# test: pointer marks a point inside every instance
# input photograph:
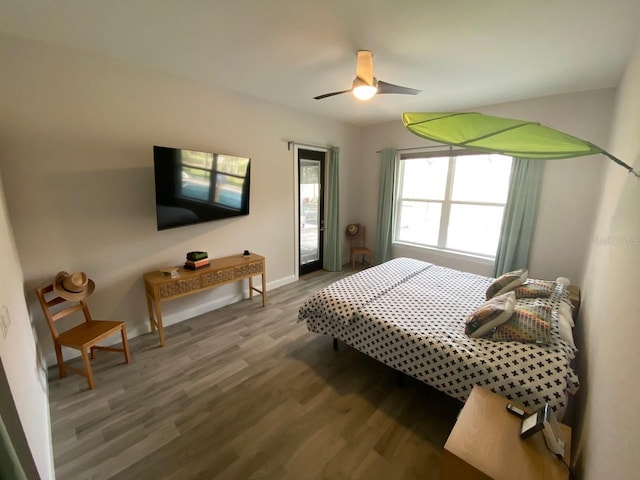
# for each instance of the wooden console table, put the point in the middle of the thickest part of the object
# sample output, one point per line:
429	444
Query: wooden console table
160	287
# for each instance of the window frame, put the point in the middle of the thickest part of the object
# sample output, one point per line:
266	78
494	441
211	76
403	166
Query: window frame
446	203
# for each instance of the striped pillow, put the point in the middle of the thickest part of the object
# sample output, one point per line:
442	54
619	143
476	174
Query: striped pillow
535	289
530	323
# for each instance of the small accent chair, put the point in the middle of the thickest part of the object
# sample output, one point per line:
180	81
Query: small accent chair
81	337
356	234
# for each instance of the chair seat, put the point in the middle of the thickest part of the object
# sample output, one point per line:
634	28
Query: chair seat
88	333
366	252
356	233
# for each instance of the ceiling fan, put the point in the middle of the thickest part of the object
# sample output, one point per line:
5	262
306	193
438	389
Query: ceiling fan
365	85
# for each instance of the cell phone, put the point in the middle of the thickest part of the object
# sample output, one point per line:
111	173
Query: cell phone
518	412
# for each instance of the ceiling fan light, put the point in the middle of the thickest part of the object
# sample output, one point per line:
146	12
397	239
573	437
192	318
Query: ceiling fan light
364	92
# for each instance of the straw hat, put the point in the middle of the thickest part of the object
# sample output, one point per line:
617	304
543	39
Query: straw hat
352	229
75	286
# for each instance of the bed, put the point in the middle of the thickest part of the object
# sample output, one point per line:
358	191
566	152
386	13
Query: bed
410	315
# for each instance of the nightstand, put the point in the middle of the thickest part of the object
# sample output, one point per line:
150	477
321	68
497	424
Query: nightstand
485	444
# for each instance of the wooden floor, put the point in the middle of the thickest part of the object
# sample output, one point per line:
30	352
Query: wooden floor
246	392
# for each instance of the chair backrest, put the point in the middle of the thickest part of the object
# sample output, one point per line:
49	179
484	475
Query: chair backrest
51	314
357	239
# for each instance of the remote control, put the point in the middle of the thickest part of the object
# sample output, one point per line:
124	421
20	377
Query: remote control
518	412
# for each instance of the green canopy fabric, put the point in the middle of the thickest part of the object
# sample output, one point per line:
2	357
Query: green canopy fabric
518	138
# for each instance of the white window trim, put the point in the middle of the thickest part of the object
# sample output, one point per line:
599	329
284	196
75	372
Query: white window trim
445	212
446	253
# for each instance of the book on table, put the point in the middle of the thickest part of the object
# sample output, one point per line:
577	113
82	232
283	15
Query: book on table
197	264
189	266
170	272
195	256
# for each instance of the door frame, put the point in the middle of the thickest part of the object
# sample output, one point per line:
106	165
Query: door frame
296	200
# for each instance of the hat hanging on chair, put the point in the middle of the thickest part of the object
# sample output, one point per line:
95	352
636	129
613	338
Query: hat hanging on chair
73	286
353	229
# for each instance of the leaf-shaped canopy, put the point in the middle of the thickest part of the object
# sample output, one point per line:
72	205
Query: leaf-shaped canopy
518	138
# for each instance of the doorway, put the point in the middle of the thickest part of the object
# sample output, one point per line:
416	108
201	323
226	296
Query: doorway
311	208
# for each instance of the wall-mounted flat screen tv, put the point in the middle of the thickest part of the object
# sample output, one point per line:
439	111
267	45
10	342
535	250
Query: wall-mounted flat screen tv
194	187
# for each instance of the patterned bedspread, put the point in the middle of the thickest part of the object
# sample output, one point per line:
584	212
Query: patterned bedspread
410	315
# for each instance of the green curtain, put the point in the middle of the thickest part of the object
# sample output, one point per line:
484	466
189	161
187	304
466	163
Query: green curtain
519	216
385	205
333	246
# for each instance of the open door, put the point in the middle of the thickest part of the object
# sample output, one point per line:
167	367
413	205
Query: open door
311	206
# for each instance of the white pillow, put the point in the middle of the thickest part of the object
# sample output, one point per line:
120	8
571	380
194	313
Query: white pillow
566	310
506	282
490	314
564	326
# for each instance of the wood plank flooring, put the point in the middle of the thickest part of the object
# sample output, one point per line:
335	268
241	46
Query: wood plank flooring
246	392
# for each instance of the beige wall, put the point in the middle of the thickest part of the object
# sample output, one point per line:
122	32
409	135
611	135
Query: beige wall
77	161
24	403
569	189
609	427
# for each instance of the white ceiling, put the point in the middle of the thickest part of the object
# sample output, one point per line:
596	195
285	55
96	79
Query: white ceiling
460	53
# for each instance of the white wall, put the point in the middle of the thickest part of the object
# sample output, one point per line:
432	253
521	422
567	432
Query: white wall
569	190
24	402
77	135
609	430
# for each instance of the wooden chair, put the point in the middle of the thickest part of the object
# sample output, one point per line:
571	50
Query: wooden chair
82	337
357	236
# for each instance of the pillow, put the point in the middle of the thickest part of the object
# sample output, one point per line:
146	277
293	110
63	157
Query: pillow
490	314
566	310
506	282
565	330
535	289
530	323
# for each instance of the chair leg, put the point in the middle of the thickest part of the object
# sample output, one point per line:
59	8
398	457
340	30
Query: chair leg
87	368
61	370
125	344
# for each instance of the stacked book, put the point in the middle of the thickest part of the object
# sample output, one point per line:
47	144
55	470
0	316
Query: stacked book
170	272
197	260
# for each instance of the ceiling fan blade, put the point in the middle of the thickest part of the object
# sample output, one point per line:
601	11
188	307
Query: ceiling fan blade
364	77
364	67
320	97
384	87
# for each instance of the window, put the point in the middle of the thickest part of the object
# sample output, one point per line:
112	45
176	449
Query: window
453	202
